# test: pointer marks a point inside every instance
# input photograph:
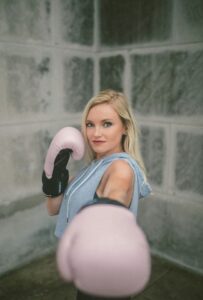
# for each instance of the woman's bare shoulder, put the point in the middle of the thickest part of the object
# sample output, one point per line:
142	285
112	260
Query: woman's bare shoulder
117	182
120	168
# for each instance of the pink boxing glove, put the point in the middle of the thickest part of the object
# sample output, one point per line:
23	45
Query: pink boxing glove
104	252
67	138
68	141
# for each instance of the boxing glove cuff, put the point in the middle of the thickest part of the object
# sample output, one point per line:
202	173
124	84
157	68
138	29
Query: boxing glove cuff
54	187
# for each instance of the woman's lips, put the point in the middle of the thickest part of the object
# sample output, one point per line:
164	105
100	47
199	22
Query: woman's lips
98	142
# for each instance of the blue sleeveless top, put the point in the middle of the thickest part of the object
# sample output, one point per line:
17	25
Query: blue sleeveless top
82	189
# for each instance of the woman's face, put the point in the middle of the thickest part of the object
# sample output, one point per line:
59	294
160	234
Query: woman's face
104	130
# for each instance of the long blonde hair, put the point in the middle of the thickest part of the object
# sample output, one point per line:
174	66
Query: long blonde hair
119	102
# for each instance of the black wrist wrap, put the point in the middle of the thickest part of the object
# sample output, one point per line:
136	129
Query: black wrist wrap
56	185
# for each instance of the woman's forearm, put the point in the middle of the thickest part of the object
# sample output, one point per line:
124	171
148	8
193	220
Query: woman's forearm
53	204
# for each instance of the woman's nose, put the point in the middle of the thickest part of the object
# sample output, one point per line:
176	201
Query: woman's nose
97	131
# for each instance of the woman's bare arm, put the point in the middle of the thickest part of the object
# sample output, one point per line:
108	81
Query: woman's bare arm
117	183
53	204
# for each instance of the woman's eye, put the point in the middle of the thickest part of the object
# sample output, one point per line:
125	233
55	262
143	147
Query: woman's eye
107	124
89	124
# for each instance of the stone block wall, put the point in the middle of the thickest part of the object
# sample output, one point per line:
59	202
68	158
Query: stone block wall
54	55
46	77
153	51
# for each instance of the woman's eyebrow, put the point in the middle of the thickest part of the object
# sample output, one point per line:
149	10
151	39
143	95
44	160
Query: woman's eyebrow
103	120
107	120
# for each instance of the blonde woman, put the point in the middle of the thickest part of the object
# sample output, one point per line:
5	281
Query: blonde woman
115	169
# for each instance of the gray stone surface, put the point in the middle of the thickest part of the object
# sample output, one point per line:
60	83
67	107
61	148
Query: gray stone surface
127	22
141	82
28	83
187	88
78	82
77	21
153	147
24	236
112	72
174	228
168	83
23	163
188	20
189	162
183	232
25	20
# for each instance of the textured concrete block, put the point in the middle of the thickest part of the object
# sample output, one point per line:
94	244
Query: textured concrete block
24	151
25	20
28	84
174	229
112	72
189	20
186	85
184	232
154	209
154	153
25	236
77	21
127	22
168	83
78	83
3	85
141	82
189	162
